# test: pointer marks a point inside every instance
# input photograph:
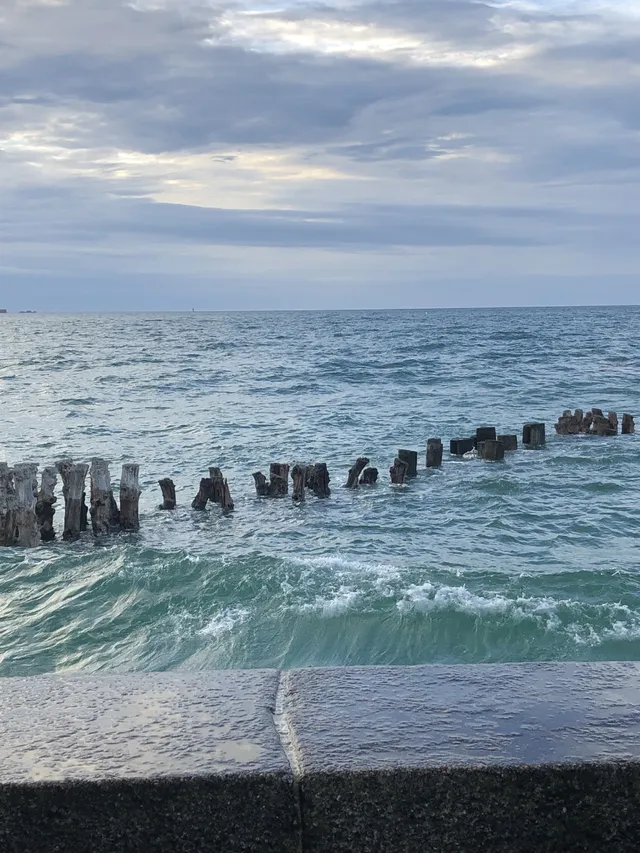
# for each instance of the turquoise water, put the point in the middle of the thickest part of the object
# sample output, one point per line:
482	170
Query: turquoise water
533	559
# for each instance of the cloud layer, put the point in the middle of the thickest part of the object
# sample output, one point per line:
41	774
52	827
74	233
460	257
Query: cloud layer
398	152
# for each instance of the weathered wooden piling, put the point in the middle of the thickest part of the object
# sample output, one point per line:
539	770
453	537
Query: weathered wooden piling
355	471
45	505
205	494
8	531
510	442
533	435
220	489
261	484
485	434
410	457
299	478
130	497
73	479
369	477
25	477
628	426
278	484
434	452
105	516
460	446
168	488
491	450
317	479
398	472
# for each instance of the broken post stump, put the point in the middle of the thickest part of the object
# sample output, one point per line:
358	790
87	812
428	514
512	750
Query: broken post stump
628	426
460	446
45	509
299	478
168	488
398	472
434	453
205	493
8	531
410	457
355	471
130	497
533	435
25	478
510	442
278	479
105	516
73	479
369	477
491	450
485	434
317	479
261	484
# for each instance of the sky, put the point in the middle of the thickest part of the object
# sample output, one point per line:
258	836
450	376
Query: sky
179	154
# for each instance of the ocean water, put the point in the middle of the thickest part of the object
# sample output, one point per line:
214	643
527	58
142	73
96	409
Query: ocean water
536	558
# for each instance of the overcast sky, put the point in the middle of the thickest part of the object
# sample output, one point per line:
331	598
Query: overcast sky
178	154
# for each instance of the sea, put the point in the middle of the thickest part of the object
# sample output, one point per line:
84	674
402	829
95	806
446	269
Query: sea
533	558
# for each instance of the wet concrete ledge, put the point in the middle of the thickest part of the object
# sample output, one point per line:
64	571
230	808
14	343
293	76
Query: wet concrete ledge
521	757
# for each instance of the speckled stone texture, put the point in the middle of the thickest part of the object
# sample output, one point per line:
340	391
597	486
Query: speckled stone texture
153	762
540	757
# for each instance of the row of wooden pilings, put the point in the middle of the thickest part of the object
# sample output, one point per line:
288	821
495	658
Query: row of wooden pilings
27	508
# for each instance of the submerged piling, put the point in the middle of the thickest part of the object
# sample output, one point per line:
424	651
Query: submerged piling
434	452
398	472
369	477
45	506
168	488
73	477
460	446
628	426
299	478
491	450
105	516
410	458
25	477
317	479
533	435
353	478
8	506
130	497
510	442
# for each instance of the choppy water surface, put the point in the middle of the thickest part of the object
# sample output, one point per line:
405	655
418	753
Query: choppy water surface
536	558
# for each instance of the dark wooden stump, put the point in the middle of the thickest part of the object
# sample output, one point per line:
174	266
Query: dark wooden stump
25	478
398	472
299	478
205	494
533	435
612	417
105	516
485	434
8	530
369	477
261	484
355	471
434	452
73	478
510	442
278	479
410	458
491	450
130	497
45	509
460	446
318	482
168	488
226	503
628	426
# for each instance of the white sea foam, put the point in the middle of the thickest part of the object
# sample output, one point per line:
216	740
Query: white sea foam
225	621
344	599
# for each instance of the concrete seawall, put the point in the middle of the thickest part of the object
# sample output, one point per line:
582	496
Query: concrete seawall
522	757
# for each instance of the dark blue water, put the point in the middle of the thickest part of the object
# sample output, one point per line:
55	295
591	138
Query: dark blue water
535	558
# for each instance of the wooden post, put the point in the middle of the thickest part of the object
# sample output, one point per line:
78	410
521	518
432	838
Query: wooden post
434	453
130	497
491	450
355	471
510	442
278	479
45	509
317	479
299	478
261	483
533	435
410	457
460	446
398	472
369	477
25	477
73	479
485	434
628	426
8	531
168	488
226	502
205	494
612	417
105	516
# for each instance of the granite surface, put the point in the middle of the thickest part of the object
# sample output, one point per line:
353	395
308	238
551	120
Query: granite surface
525	757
